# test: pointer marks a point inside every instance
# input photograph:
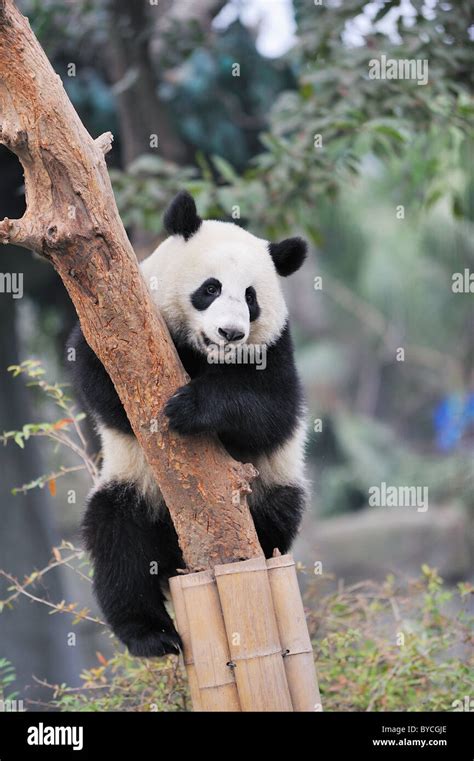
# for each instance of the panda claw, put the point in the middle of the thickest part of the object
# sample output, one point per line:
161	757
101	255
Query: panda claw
154	644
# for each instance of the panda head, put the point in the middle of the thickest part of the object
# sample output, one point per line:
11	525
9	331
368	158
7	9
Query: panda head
215	283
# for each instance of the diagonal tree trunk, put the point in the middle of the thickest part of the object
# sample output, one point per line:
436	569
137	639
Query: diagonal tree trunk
72	220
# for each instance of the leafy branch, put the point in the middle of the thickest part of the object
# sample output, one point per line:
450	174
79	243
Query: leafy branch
65	431
19	588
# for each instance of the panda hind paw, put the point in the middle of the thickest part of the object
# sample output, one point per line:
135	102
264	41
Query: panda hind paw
154	644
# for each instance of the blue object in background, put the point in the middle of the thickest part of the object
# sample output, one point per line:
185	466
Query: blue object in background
452	417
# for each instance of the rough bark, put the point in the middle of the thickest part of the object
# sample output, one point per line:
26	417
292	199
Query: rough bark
72	219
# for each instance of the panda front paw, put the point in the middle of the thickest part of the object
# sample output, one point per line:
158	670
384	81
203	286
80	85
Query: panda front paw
182	411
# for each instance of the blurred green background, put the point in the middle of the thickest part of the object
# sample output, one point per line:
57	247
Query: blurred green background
266	112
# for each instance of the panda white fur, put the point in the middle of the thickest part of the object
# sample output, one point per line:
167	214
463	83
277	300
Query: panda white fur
218	288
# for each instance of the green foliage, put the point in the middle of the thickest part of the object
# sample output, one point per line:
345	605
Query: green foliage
378	647
148	184
33	369
217	111
7	677
357	116
394	647
63	28
123	683
420	132
63	432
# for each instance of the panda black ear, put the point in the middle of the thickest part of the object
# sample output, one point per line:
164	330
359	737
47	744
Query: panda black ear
181	217
289	255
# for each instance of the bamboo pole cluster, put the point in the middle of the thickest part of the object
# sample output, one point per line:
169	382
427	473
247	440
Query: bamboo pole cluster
245	638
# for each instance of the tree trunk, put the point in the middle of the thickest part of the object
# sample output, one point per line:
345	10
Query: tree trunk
72	219
128	61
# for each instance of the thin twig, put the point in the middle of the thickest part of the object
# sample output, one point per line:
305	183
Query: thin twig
21	590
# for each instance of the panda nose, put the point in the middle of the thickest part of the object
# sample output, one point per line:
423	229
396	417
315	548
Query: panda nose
231	334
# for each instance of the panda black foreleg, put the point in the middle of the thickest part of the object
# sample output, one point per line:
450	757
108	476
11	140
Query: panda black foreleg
277	516
93	384
132	555
255	419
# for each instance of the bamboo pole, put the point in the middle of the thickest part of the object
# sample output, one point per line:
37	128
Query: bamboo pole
252	634
205	643
182	625
294	635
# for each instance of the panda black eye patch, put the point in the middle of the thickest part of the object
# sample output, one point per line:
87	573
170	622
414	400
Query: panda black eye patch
252	303
207	292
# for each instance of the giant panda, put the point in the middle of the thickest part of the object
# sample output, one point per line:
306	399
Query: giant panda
216	285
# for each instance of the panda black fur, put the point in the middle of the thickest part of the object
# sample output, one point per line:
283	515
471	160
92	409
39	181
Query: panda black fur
215	284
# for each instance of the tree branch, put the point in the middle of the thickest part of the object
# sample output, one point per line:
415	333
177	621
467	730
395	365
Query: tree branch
104	142
72	219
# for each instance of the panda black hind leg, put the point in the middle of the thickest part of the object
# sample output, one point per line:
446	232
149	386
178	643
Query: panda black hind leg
133	554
